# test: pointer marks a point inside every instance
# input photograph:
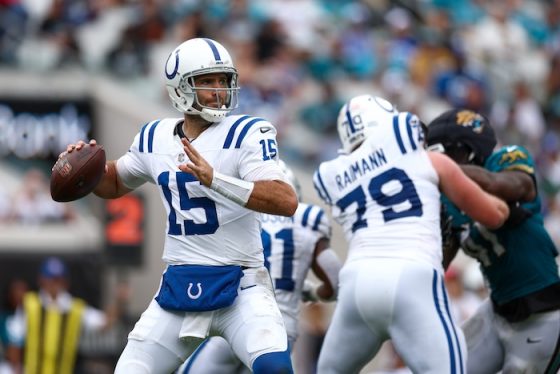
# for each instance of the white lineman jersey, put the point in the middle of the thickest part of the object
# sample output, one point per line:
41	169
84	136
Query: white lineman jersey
385	195
204	227
389	186
289	244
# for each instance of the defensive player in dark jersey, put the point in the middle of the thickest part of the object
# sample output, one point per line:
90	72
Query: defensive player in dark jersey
517	330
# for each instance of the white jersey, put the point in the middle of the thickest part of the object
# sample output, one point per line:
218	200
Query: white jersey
289	244
385	194
204	227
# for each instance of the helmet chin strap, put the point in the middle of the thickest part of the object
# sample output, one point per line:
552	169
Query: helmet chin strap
207	114
212	115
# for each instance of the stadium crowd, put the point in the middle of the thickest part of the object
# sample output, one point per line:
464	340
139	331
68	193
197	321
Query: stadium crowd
299	60
30	203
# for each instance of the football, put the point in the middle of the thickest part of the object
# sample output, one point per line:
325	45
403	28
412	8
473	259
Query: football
76	174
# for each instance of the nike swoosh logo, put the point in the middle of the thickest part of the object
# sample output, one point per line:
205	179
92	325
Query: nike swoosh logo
265	129
244	288
531	340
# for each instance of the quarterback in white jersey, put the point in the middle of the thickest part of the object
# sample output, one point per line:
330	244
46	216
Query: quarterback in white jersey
384	192
292	246
214	174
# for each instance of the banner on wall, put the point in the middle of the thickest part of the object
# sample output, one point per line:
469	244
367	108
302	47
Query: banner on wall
124	229
33	132
41	128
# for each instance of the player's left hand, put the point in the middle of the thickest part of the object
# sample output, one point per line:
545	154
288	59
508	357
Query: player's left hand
517	215
197	166
309	291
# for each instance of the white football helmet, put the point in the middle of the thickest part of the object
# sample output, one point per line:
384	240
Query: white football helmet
196	57
291	178
359	116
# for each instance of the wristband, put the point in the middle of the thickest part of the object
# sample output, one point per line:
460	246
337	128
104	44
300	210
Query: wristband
235	189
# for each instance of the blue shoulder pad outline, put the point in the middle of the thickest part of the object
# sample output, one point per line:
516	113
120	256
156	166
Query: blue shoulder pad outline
151	128
312	216
248	123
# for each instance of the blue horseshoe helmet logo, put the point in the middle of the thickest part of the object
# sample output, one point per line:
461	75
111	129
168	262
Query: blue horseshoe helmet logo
176	69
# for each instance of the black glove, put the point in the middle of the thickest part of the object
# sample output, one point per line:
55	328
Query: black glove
446	226
517	215
450	236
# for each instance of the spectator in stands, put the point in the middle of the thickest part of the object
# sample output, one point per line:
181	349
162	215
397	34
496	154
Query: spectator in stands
5	205
32	203
52	321
464	85
13	18
12	311
501	45
320	114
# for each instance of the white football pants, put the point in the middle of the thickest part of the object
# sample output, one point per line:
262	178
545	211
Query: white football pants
398	299
162	340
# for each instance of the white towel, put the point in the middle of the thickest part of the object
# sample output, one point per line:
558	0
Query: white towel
196	324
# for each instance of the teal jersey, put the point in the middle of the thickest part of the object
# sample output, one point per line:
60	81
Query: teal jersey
520	260
459	220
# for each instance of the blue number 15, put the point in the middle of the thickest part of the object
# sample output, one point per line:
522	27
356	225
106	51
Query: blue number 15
186	203
268	149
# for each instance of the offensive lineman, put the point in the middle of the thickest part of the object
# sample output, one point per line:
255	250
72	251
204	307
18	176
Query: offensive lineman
385	192
214	174
292	245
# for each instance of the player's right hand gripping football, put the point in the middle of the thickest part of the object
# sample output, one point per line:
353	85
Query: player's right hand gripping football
78	146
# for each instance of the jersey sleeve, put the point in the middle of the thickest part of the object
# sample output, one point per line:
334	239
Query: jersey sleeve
512	158
320	186
259	154
407	131
132	166
320	222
